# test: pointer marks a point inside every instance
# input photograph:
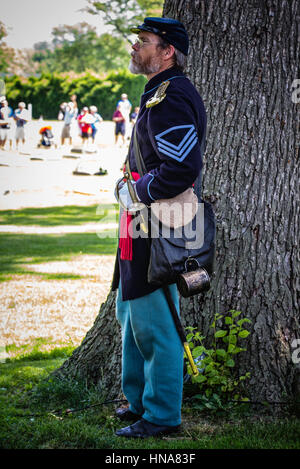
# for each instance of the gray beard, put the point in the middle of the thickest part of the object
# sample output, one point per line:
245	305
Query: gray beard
144	69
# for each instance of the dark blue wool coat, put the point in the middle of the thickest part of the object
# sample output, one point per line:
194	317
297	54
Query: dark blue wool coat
170	137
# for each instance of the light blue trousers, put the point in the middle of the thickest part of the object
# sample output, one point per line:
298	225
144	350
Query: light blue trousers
152	357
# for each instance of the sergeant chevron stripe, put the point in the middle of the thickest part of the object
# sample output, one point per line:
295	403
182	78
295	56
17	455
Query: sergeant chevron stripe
180	151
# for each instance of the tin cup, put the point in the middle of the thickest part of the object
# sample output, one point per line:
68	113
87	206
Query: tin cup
193	282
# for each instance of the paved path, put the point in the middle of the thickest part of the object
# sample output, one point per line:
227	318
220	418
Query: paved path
86	228
36	177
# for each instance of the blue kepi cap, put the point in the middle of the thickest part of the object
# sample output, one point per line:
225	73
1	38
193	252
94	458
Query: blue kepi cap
172	31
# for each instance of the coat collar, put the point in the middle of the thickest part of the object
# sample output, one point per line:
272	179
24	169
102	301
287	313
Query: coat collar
162	76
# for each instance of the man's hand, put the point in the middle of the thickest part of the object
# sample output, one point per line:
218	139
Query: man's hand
128	199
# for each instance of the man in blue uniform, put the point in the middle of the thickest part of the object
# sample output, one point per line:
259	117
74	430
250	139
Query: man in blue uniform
170	129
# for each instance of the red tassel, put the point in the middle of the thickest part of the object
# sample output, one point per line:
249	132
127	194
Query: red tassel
125	242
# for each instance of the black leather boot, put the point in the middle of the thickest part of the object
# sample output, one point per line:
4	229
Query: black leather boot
144	429
123	413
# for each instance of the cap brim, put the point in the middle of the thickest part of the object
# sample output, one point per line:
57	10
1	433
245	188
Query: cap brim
138	29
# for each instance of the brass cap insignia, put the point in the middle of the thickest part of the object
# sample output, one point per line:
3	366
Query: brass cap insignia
159	95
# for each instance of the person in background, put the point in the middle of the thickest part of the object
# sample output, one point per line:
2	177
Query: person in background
21	116
11	132
133	116
84	121
119	119
6	122
125	108
68	114
97	120
62	111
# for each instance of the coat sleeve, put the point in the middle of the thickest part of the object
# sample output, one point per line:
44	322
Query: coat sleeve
175	132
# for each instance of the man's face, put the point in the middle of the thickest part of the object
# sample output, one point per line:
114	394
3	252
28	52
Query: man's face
146	57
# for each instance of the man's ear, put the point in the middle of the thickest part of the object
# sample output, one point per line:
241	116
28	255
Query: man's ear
169	52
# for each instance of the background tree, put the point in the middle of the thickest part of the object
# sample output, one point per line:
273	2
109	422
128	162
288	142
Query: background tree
7	54
79	48
243	60
122	14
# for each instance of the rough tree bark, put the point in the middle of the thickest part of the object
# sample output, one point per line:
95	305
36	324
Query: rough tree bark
243	59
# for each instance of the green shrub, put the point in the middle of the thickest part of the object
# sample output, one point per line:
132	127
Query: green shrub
218	380
49	90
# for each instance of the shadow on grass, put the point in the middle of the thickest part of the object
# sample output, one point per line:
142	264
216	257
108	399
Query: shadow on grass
17	250
66	215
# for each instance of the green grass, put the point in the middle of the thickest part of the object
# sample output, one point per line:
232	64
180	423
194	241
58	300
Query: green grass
19	251
40	348
55	216
29	395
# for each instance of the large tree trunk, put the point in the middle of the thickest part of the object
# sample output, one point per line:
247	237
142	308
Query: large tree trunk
244	57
